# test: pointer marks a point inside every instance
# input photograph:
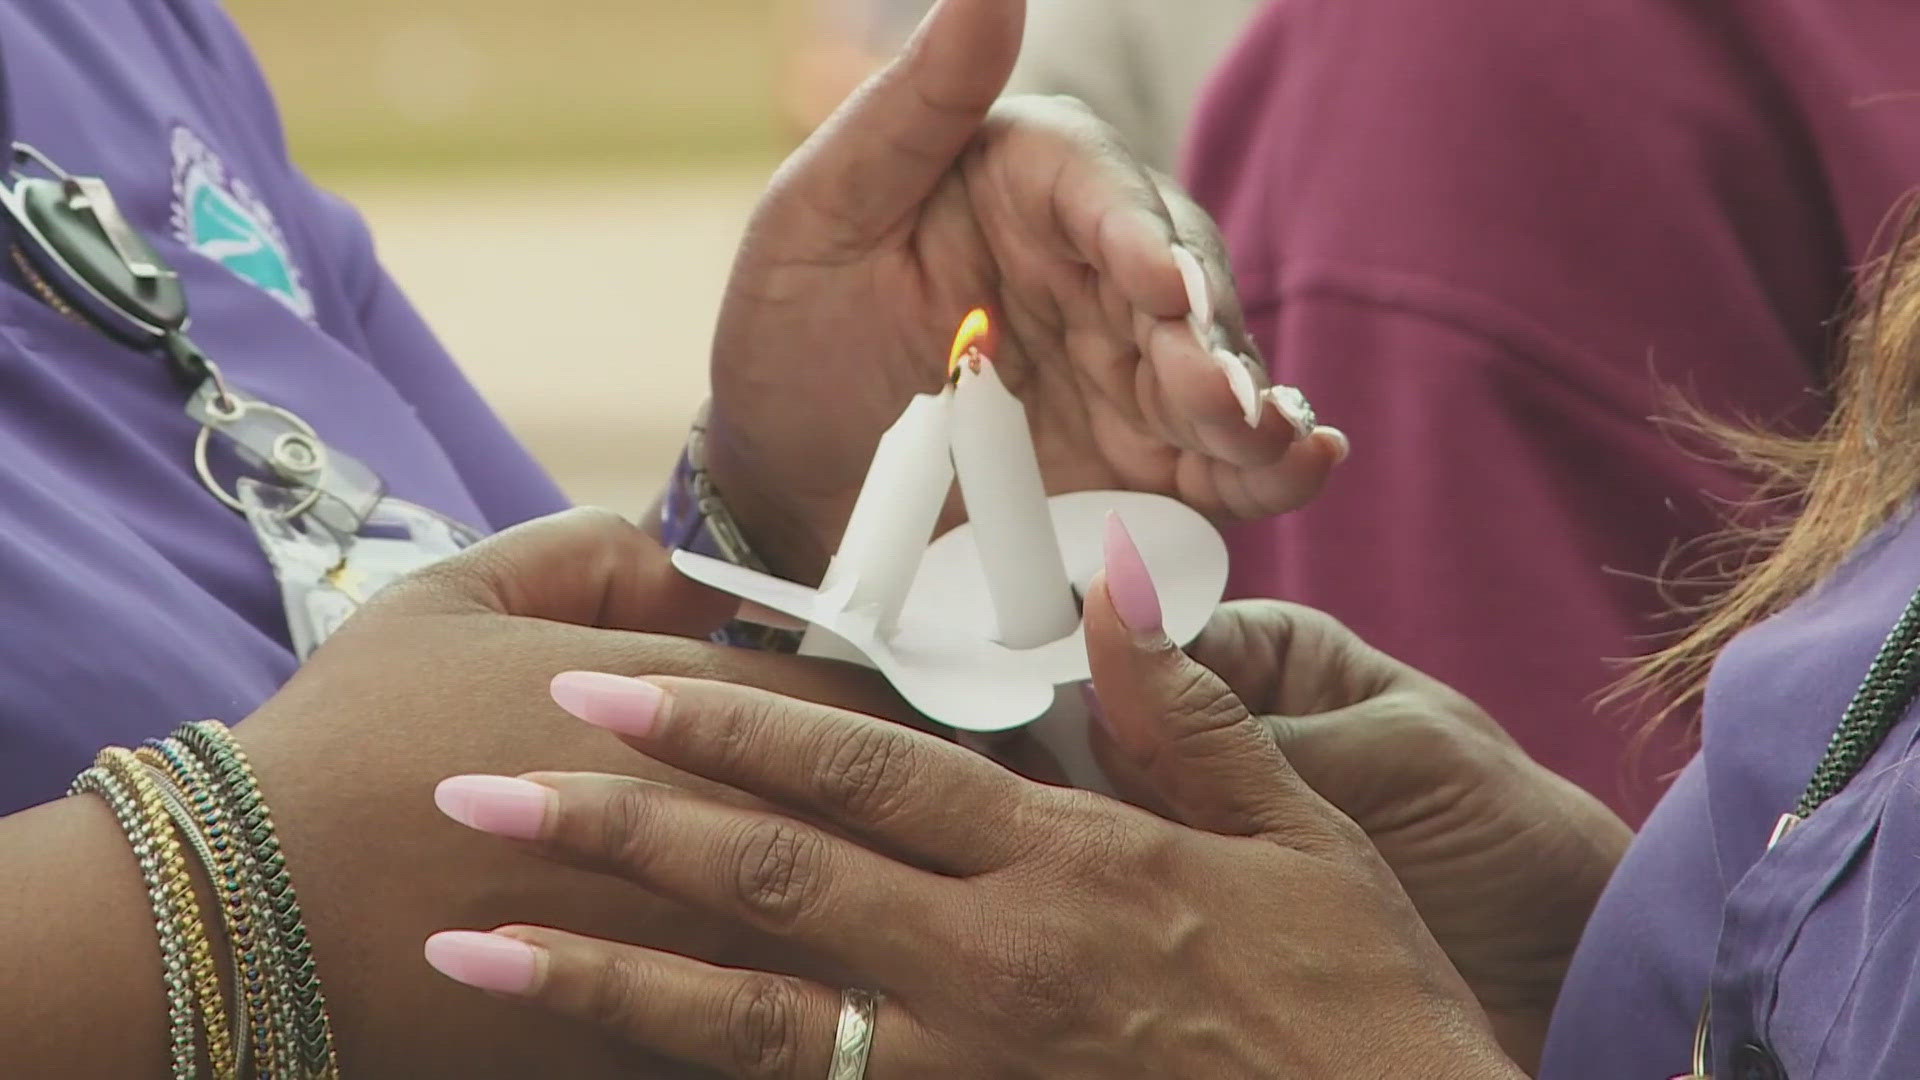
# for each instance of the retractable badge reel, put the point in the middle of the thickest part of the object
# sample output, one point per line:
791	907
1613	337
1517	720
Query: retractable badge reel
322	517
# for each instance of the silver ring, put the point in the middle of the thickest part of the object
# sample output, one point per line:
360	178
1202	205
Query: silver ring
853	1042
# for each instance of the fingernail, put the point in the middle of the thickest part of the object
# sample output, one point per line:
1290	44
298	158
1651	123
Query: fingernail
619	704
1245	390
490	962
1199	291
1128	583
499	805
1294	407
1342	447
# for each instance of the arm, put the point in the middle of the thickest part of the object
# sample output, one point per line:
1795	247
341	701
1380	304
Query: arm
443	673
79	967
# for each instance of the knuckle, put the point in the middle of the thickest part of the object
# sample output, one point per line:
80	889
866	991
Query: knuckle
778	870
614	994
761	1022
869	772
731	732
618	838
1200	704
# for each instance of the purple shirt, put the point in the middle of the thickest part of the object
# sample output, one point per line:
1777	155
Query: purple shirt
131	601
1813	949
1485	236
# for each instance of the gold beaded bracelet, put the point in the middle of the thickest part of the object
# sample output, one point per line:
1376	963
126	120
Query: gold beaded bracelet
187	803
198	788
189	920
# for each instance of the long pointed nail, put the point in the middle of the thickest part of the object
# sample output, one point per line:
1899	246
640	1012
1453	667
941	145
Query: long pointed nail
491	962
1199	290
621	705
1135	598
1294	408
1240	380
499	805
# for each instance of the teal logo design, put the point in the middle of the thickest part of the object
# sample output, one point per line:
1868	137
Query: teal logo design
218	216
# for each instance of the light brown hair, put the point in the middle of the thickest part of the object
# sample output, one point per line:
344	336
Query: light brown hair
1823	494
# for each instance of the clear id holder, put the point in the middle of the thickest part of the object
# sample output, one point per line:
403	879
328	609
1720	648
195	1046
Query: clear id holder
326	575
323	518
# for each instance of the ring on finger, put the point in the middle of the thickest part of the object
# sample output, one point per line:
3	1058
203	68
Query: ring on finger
853	1041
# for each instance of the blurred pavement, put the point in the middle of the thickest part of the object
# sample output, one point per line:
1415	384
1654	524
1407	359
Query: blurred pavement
582	305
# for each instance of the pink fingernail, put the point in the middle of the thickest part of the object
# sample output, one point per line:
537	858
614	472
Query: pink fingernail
490	962
500	805
619	704
1128	582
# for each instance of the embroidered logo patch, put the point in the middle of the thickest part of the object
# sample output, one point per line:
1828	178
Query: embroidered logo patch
219	216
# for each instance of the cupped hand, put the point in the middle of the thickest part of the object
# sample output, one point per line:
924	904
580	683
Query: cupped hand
446	672
1013	929
922	199
1504	859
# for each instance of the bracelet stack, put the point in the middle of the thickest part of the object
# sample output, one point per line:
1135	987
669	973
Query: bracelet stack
195	794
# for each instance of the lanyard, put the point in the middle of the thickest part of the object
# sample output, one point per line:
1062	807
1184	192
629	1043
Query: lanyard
84	258
1892	682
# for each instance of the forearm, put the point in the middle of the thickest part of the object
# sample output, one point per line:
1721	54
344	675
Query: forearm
80	970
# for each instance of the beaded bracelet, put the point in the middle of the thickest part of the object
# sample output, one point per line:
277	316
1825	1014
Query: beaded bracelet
173	949
202	973
201	822
233	778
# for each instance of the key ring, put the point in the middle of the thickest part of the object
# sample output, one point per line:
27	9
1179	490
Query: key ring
296	455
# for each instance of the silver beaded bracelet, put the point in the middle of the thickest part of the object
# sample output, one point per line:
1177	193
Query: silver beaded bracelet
173	949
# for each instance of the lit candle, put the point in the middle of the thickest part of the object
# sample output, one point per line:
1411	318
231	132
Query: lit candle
1006	501
893	519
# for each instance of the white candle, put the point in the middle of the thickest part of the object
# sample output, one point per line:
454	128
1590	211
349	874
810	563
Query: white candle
893	519
1007	505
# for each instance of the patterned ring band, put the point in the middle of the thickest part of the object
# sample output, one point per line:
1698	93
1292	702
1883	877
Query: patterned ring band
853	1042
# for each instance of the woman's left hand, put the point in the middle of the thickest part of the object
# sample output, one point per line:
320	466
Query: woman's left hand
927	195
1013	929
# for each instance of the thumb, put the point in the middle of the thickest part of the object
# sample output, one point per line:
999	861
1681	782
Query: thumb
1176	725
584	567
886	148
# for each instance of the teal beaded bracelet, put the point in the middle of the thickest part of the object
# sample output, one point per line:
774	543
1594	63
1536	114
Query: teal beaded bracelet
259	842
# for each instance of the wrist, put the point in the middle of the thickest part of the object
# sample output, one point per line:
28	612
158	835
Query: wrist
781	527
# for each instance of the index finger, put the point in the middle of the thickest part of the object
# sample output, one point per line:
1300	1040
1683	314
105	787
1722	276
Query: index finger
921	799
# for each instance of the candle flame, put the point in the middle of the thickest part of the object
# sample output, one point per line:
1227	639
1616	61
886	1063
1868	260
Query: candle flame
975	329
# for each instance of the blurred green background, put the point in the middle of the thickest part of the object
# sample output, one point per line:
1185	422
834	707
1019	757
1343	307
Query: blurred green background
559	186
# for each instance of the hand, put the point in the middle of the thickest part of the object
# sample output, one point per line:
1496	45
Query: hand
447	672
1016	930
1503	859
923	199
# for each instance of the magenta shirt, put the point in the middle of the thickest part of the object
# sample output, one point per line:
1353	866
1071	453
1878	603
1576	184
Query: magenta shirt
1483	235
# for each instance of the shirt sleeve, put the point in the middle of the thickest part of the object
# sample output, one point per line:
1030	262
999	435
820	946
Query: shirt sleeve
360	304
503	477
